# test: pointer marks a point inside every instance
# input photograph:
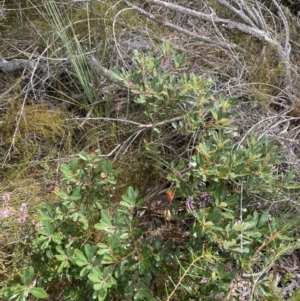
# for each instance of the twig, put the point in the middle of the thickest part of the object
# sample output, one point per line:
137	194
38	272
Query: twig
140	125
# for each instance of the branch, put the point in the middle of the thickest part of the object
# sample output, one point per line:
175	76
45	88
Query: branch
204	39
102	70
139	125
17	64
237	12
212	18
255	19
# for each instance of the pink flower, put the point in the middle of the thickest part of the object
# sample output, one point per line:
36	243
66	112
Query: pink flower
39	225
6	198
5	212
23	213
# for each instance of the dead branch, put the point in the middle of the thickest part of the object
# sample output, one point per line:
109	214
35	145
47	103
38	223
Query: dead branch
252	23
18	64
212	18
225	45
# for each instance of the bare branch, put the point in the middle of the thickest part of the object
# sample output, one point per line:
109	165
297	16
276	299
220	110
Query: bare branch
287	46
229	24
139	125
17	64
99	68
204	39
237	12
258	16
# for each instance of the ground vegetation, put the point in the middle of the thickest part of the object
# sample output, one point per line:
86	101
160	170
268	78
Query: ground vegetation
149	150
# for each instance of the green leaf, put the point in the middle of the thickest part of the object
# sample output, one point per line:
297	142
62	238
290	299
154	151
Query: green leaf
126	202
251	224
103	249
23	296
140	100
75	216
101	245
263	219
239	226
133	194
38	292
60	250
12	292
84	156
62	194
103	226
49	228
105	222
105	217
60	257
96	275
65	169
89	251
116	74
124	236
243	250
28	276
101	294
107	259
80	258
85	271
74	164
76	194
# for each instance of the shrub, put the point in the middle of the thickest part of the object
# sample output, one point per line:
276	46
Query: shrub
91	245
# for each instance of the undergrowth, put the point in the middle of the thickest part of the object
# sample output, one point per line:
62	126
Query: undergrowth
180	221
93	243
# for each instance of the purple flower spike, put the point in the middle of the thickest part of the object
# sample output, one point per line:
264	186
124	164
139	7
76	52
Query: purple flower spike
205	200
190	204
